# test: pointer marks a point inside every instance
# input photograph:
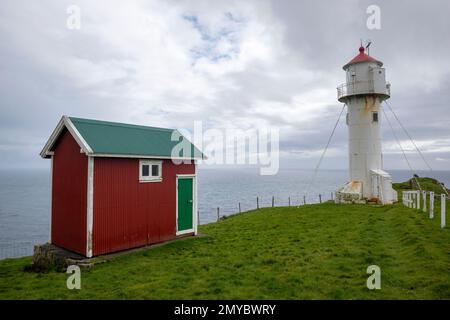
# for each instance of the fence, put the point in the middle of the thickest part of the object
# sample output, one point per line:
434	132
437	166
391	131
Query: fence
420	200
424	201
291	201
362	87
15	249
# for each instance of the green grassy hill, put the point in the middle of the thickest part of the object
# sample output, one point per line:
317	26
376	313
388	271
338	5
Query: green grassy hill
428	184
312	252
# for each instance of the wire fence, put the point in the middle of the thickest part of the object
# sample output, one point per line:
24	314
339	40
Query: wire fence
214	214
15	249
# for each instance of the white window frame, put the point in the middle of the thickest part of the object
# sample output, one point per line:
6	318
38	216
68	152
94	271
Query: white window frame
150	178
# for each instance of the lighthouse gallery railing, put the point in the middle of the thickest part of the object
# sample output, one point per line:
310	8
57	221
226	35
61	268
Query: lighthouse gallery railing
361	87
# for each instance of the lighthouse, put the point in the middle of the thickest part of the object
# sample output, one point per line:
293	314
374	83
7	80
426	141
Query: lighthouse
364	90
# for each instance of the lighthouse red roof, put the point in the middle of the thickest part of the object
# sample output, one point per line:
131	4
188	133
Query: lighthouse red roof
362	57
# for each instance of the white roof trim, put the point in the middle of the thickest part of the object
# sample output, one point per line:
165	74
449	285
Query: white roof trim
65	123
78	137
380	172
55	134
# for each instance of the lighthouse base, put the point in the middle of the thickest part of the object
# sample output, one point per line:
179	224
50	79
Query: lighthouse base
379	190
351	192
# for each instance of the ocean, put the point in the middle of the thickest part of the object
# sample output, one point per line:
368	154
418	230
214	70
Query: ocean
25	197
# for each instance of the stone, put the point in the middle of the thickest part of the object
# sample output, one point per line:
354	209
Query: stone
50	257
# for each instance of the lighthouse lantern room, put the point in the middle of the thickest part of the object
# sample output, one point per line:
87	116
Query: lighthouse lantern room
363	92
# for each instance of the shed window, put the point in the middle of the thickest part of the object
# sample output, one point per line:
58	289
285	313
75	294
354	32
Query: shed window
374	116
145	170
150	171
155	170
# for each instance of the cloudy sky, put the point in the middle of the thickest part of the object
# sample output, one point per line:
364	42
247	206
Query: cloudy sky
227	63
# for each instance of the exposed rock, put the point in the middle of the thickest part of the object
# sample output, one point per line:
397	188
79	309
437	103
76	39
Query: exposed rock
350	193
50	257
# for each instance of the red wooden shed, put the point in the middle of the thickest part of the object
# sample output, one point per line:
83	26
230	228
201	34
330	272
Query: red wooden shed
117	186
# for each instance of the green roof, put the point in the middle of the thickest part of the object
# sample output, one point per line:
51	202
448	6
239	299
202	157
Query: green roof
112	138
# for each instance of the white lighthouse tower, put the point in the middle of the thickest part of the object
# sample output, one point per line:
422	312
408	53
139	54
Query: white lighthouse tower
364	90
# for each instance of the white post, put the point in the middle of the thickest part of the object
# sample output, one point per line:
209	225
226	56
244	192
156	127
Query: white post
431	205
424	205
409	200
418	200
443	198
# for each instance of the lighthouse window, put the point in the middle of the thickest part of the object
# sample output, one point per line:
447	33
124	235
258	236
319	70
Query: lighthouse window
150	171
346	118
374	116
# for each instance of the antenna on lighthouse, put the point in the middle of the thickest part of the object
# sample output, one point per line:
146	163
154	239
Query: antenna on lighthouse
369	42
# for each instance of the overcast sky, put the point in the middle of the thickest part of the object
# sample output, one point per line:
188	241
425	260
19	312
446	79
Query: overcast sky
227	63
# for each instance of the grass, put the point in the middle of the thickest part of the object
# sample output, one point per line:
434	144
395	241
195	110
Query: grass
312	252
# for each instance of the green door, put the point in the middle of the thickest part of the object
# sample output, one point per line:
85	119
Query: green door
185	204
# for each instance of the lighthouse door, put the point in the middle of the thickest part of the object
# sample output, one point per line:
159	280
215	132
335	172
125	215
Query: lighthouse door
378	78
376	186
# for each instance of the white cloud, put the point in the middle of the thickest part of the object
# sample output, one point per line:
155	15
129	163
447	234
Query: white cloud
425	146
233	63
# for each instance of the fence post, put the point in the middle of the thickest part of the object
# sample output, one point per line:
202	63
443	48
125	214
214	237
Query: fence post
418	199
218	214
289	201
403	197
431	205
415	200
257	202
273	201
239	207
198	217
424	198
320	198
443	202
304	199
331	196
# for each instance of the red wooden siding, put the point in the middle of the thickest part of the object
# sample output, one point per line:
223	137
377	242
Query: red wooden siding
128	213
69	195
